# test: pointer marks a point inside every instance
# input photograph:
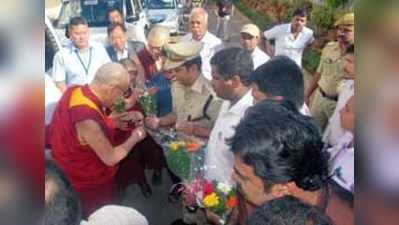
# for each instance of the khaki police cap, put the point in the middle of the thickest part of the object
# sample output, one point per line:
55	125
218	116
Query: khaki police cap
179	53
251	29
347	19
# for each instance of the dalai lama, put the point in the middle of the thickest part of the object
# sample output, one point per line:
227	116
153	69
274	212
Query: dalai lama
81	135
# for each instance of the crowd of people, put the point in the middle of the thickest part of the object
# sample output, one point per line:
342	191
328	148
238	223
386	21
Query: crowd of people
291	159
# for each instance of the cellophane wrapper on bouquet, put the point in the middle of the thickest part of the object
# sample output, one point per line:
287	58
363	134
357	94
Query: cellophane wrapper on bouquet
218	197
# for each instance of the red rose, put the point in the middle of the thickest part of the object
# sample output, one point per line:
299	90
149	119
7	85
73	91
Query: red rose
208	188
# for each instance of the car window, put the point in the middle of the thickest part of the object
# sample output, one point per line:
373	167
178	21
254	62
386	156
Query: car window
161	4
137	5
143	3
94	11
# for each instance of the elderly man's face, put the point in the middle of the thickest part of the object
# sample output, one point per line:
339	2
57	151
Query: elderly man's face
198	25
249	42
115	17
346	34
79	35
117	92
118	39
155	51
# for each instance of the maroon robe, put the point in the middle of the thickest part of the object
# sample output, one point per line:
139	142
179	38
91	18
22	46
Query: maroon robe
147	62
153	156
92	179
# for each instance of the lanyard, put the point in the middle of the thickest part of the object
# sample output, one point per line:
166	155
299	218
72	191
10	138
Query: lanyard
81	61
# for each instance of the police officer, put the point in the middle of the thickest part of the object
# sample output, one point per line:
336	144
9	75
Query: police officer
195	105
330	72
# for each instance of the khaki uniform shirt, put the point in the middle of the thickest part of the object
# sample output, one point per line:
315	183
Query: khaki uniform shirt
331	68
191	101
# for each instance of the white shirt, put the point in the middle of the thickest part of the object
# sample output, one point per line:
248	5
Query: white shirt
219	160
259	57
51	96
75	67
211	44
334	130
286	44
343	168
122	55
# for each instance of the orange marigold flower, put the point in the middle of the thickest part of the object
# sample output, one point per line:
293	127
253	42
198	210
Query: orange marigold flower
193	146
232	202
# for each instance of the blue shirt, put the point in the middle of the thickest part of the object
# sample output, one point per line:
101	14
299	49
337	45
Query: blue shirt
74	67
164	95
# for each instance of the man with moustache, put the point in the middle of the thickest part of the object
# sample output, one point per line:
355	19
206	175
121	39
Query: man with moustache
198	27
330	72
290	38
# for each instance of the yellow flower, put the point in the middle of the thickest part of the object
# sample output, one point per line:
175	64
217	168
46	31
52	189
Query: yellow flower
174	146
211	200
181	143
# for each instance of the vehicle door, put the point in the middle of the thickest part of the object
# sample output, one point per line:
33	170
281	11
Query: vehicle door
135	20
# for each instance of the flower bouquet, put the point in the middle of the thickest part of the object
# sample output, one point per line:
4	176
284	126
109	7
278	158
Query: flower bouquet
218	197
179	157
148	102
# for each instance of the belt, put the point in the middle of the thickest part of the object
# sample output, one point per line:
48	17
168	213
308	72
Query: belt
332	98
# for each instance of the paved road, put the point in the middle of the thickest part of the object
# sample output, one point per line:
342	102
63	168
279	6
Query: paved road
237	21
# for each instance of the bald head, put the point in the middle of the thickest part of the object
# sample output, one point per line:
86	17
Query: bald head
200	12
158	36
198	23
113	74
110	83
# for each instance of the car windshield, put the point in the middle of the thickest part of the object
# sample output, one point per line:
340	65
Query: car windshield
161	4
94	11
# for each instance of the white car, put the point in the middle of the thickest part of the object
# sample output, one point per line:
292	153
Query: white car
96	14
52	44
164	12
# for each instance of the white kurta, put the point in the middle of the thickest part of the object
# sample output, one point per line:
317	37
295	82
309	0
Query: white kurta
334	130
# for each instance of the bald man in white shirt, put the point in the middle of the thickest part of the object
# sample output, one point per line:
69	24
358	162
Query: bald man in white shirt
198	27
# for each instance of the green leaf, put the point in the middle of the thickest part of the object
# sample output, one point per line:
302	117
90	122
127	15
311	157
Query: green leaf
119	105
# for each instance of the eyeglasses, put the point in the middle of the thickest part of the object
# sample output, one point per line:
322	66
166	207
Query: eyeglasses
128	93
